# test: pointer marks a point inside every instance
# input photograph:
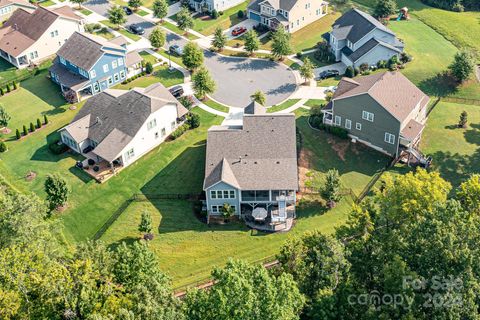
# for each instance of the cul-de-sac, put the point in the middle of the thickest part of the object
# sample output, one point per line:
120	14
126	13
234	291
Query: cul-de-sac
232	159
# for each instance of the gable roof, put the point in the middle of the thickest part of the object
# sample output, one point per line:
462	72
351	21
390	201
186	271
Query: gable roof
392	90
4	3
23	28
355	24
84	50
112	118
254	108
366	48
261	155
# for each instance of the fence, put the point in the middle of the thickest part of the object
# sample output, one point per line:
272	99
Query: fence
462	100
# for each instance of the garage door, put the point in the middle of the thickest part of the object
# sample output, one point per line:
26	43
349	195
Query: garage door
254	16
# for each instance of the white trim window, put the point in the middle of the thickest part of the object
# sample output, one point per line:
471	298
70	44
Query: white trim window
96	87
222	194
105	68
151	124
129	154
338	120
122	74
120	61
110	81
114	64
93	74
358	126
367	116
389	138
348	123
164	132
116	77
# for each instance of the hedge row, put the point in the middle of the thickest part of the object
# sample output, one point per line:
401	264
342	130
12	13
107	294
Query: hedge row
9	88
192	122
32	127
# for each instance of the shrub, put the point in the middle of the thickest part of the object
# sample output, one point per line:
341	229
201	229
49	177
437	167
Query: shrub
149	67
25	132
364	67
8	88
39	123
179	132
323	52
186	101
220	13
349	72
14	85
2	92
57	147
17	134
240	14
3	147
193	120
393	60
356	71
299	54
57	191
45	119
382	64
32	127
365	73
405	57
214	14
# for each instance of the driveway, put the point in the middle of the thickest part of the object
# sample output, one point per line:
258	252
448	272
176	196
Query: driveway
238	78
340	66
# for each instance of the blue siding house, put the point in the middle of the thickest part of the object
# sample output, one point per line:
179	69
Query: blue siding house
87	64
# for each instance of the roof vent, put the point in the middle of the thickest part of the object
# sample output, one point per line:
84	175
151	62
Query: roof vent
255	162
98	121
278	162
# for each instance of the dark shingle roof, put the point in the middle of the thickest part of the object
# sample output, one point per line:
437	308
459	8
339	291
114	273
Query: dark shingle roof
259	156
355	24
367	47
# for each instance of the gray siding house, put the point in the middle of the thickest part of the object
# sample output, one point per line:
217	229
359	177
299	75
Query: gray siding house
209	5
358	38
384	111
253	168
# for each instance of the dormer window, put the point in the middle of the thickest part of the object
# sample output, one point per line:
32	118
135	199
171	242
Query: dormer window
349	44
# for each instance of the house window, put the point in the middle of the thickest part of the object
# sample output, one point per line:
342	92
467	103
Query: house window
338	120
156	135
213	194
93	74
151	124
389	138
215	209
116	77
129	154
358	126
222	194
105	68
122	74
348	123
120	61
164	132
110	81
96	88
114	64
173	124
367	116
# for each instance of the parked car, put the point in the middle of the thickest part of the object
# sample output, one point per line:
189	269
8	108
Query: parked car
177	91
175	50
238	31
328	74
136	29
127	10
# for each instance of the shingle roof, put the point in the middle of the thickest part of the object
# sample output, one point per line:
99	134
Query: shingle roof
23	3
254	108
392	90
67	78
84	50
112	119
355	24
366	48
412	129
259	156
132	58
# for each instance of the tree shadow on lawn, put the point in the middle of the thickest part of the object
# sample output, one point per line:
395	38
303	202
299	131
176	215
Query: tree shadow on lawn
44	154
455	168
440	85
45	89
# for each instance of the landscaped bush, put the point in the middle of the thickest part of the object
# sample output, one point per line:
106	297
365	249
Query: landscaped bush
405	57
214	14
179	132
349	72
149	68
186	101
25	131
58	147
323	52
17	134
240	14
32	127
45	119
381	64
299	54
193	120
356	71
363	67
3	147
39	123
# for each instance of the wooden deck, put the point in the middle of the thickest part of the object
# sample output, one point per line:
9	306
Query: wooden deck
104	171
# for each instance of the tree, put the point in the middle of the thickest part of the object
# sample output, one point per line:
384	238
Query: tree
219	39
4	117
331	189
227	211
385	8
349	72
462	66
259	97
462	123
193	120
203	83
45	119
192	56
57	191
184	20
245	291
469	194
79	2
25	131
157	38
145	225
17	134
306	70
160	9
281	43
32	127
135	4
116	16
252	43
39	123
3	147
148	67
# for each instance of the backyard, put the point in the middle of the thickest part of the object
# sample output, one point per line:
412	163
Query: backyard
160	74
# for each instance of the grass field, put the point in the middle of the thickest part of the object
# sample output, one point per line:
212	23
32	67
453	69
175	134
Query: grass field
455	151
282	106
147	57
215	105
121	30
173	58
206	25
142	13
86	12
9	73
314	102
47	3
176	30
160	74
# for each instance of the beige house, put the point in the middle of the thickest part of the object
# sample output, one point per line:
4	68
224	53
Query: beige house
27	38
7	7
291	14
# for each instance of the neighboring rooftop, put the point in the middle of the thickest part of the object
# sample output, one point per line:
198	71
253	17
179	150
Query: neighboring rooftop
254	108
261	155
355	24
24	3
112	118
392	90
277	4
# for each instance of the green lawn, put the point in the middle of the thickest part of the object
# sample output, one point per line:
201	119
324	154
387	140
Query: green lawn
161	74
215	105
9	73
206	25
104	33
314	102
329	82
147	57
142	13
175	29
47	3
173	58
282	106
86	12
122	31
455	151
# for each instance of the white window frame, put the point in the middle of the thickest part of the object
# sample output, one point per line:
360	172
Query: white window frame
114	64
120	61
348	123
110	80
151	124
358	126
93	74
368	116
222	194
339	122
116	77
96	87
130	154
163	132
389	138
105	68
173	124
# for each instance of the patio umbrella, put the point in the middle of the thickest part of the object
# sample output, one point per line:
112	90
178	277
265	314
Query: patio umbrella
259	213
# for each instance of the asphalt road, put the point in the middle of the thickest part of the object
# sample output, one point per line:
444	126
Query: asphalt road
236	78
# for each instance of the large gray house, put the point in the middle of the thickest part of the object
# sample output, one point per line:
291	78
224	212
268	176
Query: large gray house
358	38
209	5
253	168
384	111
